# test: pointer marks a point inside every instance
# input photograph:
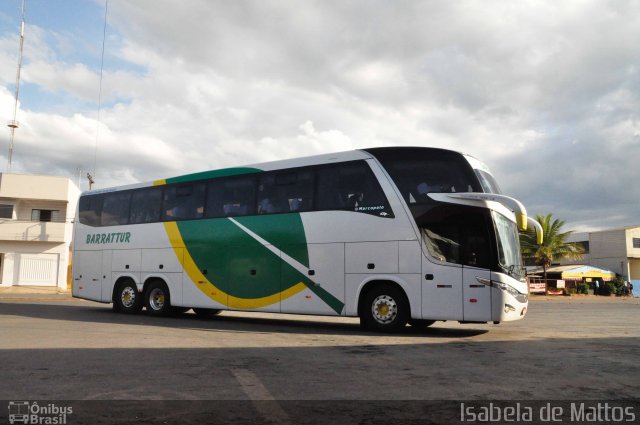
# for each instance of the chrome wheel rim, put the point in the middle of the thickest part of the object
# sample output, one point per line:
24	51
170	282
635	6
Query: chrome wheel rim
128	297
156	299
384	309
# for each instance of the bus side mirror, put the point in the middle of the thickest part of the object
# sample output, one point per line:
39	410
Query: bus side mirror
521	221
538	227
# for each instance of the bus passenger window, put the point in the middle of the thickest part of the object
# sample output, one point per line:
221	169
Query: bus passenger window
146	205
351	186
115	209
289	191
183	202
232	196
90	210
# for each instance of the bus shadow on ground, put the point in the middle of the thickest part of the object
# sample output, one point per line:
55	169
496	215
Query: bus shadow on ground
222	322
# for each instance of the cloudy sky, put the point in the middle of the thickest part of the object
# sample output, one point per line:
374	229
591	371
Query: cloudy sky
547	93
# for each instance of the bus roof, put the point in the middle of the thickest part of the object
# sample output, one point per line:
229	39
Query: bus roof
352	155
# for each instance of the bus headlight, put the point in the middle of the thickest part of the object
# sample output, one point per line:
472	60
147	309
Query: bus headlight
509	308
523	298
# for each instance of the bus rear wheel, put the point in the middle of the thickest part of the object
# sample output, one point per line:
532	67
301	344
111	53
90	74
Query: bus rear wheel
157	299
206	313
126	298
385	309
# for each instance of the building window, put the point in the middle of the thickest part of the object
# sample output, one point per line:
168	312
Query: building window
636	242
585	246
45	215
6	211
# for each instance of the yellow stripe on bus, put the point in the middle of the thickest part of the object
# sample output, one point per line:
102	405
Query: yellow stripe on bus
192	270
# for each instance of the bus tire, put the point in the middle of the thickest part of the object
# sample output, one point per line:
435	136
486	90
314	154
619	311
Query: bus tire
157	299
421	323
126	298
179	310
206	313
385	309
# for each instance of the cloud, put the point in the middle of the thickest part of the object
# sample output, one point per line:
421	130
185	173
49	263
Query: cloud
546	93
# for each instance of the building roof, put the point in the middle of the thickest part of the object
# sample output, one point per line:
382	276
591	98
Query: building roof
577	271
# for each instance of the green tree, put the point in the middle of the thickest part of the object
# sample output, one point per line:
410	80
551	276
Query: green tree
553	248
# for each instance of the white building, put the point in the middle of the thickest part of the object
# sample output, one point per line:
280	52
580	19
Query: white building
617	250
36	214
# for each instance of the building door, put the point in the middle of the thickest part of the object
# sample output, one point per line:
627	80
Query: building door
38	269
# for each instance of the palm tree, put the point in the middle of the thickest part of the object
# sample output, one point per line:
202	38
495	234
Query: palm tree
554	246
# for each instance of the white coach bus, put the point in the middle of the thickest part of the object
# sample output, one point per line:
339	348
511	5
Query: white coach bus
390	235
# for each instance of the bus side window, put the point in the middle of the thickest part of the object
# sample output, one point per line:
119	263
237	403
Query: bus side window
283	192
146	205
215	191
115	209
183	202
90	210
351	186
232	196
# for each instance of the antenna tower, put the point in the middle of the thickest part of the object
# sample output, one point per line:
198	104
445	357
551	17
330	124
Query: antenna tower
13	124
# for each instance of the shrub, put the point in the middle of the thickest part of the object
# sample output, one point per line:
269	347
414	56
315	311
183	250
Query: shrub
583	288
615	287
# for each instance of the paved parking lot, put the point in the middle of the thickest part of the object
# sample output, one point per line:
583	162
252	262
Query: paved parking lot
65	349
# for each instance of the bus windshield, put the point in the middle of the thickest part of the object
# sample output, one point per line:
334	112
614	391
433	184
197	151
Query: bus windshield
509	257
487	181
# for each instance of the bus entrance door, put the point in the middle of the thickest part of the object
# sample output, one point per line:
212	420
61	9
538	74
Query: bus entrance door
441	291
476	294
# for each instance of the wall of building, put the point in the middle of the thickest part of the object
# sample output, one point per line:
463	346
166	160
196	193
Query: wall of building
24	186
631	234
581	237
617	265
612	250
73	196
36	252
33	257
634	268
608	244
24	207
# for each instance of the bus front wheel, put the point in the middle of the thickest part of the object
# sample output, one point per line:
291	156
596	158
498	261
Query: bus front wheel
126	298
157	299
385	309
421	323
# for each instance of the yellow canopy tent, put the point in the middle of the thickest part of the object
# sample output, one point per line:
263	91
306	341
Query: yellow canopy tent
588	272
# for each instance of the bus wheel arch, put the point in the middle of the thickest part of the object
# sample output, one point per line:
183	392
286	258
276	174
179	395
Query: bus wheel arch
126	298
157	297
383	306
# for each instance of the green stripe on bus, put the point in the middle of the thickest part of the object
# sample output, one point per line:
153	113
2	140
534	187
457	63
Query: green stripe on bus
204	175
284	231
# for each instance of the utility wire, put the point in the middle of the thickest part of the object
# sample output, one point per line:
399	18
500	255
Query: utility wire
95	151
